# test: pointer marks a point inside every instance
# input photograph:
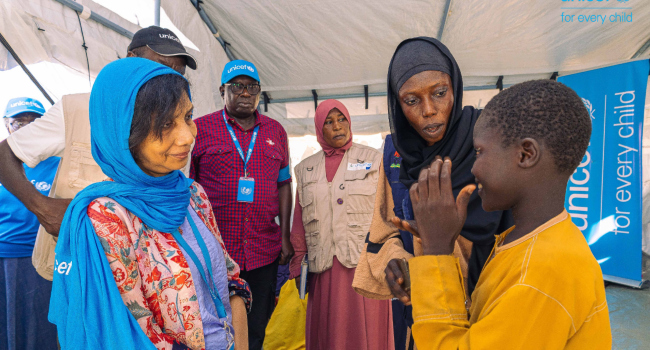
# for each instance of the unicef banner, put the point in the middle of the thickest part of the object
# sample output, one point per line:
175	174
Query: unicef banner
604	194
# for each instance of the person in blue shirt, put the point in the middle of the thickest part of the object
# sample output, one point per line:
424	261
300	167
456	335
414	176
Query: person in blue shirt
24	295
402	314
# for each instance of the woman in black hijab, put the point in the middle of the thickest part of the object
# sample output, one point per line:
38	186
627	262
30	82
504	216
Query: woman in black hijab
427	119
414	61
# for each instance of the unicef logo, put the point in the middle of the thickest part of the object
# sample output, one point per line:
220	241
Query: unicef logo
624	1
42	186
245	66
246	191
24	103
589	107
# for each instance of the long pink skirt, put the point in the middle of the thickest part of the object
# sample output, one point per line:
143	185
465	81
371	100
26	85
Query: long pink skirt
339	318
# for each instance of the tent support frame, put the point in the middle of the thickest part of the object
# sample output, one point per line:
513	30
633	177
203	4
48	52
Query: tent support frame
97	18
13	53
642	49
444	19
363	95
365	92
156	12
315	95
265	96
213	29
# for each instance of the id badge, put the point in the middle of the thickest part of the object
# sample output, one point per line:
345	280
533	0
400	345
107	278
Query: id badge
246	189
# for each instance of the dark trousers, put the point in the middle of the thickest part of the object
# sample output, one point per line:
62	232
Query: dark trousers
262	282
24	305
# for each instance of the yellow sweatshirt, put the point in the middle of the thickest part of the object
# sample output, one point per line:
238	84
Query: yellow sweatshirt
542	291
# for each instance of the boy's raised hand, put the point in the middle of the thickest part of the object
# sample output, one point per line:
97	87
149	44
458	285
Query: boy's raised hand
439	216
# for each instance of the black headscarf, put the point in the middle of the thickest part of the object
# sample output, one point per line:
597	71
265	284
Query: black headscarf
411	57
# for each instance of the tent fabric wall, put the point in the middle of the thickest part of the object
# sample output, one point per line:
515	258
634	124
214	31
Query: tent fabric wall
45	30
206	79
302	45
21	35
527	37
300	115
337	47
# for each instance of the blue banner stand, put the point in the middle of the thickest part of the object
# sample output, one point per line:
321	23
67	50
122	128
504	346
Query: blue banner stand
604	195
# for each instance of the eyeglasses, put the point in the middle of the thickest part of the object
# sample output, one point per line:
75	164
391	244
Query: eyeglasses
18	124
237	88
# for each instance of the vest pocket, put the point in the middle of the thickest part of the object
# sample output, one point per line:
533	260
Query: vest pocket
307	204
361	198
83	168
312	241
352	175
312	249
356	240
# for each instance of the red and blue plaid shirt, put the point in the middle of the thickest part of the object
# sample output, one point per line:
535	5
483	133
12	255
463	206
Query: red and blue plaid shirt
249	230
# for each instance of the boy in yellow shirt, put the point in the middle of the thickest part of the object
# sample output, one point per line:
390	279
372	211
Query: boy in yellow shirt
542	287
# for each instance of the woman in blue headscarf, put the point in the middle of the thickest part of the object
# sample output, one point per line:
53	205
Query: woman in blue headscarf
140	263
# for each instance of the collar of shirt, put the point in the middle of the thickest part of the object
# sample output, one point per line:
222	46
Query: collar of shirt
259	119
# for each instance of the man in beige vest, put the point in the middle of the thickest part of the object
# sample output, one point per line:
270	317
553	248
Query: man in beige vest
65	131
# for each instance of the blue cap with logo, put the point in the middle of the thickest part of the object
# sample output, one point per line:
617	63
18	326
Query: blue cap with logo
236	68
23	104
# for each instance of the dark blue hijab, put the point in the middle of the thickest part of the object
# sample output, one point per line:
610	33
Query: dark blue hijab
86	305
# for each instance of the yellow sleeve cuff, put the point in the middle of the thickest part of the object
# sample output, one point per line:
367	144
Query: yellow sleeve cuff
437	289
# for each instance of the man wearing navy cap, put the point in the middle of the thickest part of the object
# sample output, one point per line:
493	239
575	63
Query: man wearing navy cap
241	158
65	131
24	295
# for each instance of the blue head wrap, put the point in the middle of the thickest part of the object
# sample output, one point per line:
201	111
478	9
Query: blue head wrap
86	305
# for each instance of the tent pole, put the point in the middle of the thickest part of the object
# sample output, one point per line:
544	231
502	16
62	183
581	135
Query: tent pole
444	20
213	29
22	65
97	18
156	12
266	101
334	97
363	95
315	95
365	92
642	49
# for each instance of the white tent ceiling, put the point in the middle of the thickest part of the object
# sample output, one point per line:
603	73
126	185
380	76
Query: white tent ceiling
332	46
45	30
336	47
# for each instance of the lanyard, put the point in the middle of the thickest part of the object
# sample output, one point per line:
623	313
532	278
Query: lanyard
214	293
239	149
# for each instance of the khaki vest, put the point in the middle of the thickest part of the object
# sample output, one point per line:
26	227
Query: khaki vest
77	170
336	215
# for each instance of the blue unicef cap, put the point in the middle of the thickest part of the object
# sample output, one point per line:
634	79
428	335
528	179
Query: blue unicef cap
22	105
236	68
